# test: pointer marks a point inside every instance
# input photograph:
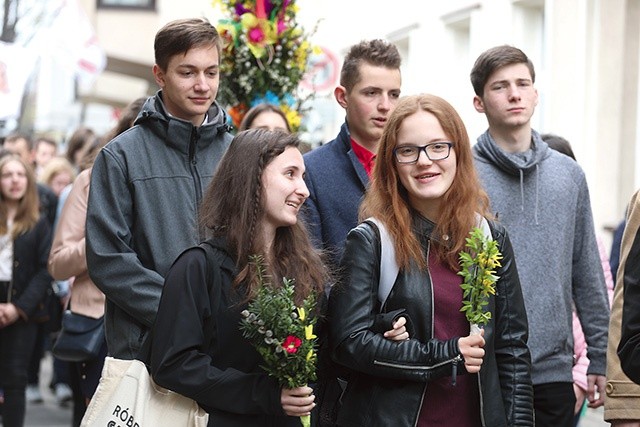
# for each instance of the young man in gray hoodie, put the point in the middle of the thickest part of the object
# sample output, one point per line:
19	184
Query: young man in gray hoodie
148	182
541	196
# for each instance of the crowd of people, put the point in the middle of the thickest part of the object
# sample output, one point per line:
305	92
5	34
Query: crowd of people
114	227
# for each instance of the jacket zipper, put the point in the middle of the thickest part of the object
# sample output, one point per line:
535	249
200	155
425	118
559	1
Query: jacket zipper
454	361
195	137
420	368
482	421
424	392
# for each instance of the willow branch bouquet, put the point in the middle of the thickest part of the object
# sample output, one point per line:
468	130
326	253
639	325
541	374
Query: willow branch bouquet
282	332
477	267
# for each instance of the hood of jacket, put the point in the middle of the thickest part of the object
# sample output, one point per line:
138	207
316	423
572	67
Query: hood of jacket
488	150
174	130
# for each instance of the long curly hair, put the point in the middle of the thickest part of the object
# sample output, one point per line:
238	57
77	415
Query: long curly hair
388	200
233	209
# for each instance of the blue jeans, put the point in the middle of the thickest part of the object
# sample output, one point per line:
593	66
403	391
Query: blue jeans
16	345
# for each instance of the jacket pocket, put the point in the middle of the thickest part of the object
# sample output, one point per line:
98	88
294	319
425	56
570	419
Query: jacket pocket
622	389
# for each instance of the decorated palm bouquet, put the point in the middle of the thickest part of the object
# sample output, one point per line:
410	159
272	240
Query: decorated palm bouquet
477	267
282	333
265	56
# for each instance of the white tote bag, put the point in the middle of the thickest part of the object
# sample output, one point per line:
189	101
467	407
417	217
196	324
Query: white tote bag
127	396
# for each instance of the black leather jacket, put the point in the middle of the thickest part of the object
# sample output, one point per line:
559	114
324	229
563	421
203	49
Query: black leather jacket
388	379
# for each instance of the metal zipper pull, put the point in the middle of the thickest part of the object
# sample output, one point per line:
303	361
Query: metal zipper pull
454	370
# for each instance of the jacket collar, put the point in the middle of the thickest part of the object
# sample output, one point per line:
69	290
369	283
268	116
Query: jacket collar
179	133
344	137
425	229
488	149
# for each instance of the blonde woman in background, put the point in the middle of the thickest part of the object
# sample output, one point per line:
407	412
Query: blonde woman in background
57	174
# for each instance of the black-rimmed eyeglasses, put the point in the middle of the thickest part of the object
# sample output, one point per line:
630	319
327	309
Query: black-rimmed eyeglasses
411	153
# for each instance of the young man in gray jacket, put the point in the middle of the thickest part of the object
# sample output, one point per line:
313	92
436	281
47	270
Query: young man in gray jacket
148	182
541	196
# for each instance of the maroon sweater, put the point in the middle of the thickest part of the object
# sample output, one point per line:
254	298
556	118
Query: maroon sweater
445	404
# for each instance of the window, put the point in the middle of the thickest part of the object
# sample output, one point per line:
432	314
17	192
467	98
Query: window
127	4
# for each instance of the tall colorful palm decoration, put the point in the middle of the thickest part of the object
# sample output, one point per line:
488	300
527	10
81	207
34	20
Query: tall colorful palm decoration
265	56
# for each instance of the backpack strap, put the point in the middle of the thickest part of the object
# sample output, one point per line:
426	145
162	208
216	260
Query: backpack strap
388	266
209	331
483	224
211	254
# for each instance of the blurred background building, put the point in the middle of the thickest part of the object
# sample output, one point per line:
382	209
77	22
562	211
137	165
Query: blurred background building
79	61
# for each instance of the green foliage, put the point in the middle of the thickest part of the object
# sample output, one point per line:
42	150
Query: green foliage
477	268
282	332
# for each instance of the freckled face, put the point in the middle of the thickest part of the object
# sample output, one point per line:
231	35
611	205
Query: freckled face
426	181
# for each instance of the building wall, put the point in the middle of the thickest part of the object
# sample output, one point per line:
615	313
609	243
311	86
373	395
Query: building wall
586	58
586	54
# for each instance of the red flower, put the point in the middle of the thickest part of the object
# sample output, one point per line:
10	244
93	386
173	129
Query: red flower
291	344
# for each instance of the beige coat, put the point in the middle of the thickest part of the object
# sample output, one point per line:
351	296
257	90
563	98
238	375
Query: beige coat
67	258
623	395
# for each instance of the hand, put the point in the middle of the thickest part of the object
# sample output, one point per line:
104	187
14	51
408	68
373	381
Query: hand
399	331
580	396
472	351
595	390
8	314
297	402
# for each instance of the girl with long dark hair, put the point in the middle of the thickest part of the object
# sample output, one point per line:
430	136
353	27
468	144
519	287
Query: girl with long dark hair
250	208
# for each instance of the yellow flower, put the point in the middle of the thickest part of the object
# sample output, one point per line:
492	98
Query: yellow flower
479	279
301	313
293	117
260	33
229	34
308	332
301	54
309	355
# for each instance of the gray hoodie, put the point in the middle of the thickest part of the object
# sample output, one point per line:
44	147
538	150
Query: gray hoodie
146	188
541	197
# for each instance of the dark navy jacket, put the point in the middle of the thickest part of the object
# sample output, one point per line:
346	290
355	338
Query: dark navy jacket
337	181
